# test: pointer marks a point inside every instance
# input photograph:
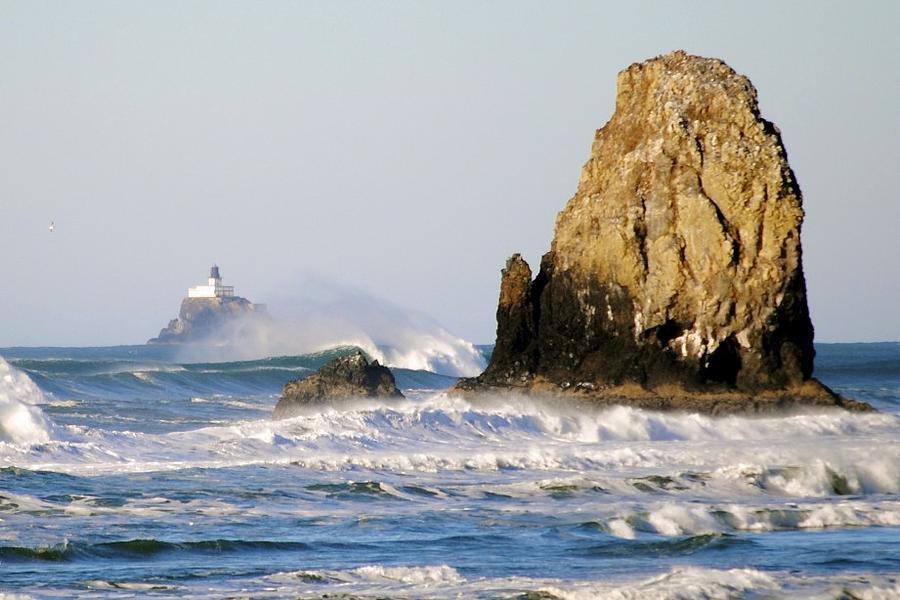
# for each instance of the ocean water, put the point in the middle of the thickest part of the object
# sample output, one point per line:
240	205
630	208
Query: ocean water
124	473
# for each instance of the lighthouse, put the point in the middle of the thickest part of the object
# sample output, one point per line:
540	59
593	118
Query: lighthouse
213	287
206	313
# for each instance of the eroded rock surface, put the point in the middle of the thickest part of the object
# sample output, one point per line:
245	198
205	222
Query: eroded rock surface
675	274
206	320
347	377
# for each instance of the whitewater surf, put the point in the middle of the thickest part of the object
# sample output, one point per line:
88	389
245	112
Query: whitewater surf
124	471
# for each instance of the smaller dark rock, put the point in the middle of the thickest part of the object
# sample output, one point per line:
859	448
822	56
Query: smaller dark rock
344	378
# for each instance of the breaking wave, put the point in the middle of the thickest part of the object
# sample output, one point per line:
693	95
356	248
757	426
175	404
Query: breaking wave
129	378
319	314
799	455
152	470
22	422
444	581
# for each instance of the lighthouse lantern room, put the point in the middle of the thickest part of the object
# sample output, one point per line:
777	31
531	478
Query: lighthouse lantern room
213	288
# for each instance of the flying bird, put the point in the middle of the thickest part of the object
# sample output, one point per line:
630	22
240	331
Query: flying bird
51	227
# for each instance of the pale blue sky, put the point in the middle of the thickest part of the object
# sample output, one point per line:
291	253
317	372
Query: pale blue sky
406	148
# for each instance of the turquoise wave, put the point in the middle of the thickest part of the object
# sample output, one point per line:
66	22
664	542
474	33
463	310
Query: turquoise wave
143	372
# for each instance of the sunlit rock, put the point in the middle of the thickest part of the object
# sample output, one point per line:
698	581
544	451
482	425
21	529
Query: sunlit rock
675	277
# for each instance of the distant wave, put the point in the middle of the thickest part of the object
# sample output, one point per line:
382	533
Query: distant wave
444	581
141	378
138	548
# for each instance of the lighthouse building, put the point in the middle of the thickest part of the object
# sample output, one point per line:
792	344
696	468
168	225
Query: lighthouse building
213	287
211	314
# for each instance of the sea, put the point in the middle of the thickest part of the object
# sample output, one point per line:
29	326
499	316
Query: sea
127	473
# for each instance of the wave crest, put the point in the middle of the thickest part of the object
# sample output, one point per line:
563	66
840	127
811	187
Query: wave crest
22	422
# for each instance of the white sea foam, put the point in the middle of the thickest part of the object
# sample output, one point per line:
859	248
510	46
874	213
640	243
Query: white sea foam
674	518
540	449
21	421
680	583
440	574
99	584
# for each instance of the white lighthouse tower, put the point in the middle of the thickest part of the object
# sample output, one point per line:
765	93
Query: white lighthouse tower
213	288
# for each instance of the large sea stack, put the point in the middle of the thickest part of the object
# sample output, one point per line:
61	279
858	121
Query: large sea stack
208	320
674	279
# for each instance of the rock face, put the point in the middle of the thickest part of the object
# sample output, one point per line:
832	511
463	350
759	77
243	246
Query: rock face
344	378
202	319
675	277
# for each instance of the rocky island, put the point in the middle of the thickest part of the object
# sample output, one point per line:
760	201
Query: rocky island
674	279
348	377
207	313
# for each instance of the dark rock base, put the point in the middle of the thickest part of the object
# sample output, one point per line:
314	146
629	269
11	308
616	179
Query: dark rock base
810	395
